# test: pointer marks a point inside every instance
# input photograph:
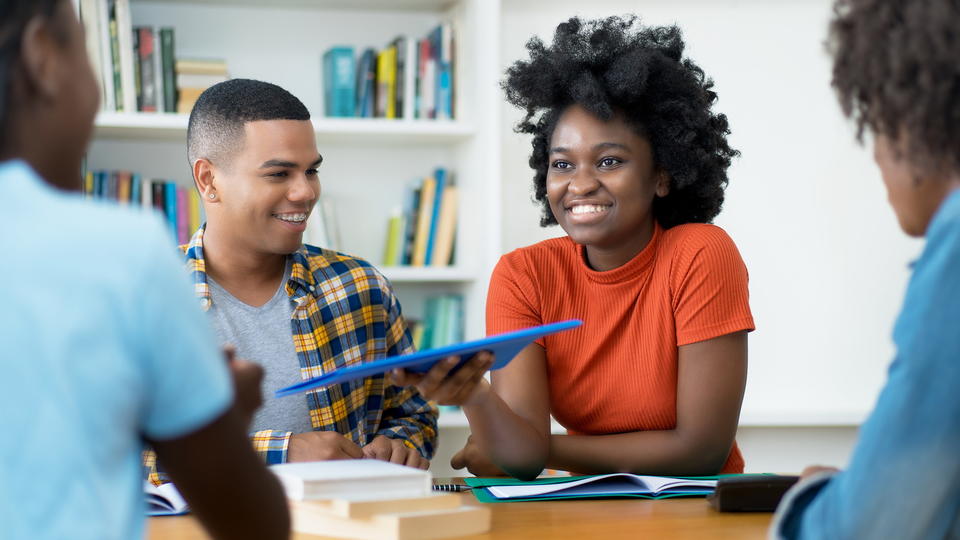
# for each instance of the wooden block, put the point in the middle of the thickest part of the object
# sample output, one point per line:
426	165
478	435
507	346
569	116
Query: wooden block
354	509
426	525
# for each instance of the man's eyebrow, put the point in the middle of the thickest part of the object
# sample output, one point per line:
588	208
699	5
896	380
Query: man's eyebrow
277	163
270	163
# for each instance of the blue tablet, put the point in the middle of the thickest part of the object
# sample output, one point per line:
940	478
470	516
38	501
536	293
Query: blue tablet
503	346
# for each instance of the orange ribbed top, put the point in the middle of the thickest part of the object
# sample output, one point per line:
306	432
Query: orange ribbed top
618	372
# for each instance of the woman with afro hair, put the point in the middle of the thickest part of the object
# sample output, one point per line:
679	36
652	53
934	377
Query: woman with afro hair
897	74
630	160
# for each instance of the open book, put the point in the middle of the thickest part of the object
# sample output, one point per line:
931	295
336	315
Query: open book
164	500
605	485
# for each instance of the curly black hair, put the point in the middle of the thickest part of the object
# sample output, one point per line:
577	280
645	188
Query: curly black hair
896	72
617	66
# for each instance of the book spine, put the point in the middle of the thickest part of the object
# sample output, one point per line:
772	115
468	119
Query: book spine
106	56
137	79
339	82
88	185
400	46
115	57
410	221
440	175
90	18
424	214
183	216
446	230
135	189
392	245
170	201
195	212
125	42
169	75
159	202
123	187
148	69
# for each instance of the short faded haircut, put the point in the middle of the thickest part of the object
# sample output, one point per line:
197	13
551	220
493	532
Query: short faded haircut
216	122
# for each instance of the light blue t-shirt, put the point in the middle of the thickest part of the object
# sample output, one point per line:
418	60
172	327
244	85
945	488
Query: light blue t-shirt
904	476
102	344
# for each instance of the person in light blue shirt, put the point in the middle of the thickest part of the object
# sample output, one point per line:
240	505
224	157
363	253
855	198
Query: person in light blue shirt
99	352
897	73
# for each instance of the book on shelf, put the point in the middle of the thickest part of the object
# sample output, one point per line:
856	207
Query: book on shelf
194	76
408	78
428	191
134	66
180	205
387	83
339	82
442	323
424	234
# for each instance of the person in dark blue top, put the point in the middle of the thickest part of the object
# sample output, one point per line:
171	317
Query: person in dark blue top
897	74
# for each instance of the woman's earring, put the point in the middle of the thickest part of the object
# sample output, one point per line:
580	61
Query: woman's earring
212	195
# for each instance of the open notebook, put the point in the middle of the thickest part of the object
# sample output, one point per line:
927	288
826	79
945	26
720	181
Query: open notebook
604	485
164	500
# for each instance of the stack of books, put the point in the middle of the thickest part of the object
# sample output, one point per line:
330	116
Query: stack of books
423	231
409	78
134	65
376	500
193	77
180	205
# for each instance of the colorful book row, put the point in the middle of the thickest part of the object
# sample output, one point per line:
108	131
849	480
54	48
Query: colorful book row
423	232
442	322
180	205
408	79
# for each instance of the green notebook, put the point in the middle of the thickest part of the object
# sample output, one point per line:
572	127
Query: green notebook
491	490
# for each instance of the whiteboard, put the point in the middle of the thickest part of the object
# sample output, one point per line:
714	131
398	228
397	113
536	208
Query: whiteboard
828	263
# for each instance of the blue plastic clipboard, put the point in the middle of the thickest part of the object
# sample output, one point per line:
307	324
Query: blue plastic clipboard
503	346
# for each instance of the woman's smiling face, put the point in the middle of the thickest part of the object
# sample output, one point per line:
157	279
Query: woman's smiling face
601	181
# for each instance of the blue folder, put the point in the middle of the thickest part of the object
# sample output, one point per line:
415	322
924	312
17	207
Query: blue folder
503	346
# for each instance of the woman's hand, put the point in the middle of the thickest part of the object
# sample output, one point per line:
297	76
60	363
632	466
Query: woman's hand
448	386
475	461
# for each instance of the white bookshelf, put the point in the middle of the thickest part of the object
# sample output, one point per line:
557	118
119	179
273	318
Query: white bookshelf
169	126
368	163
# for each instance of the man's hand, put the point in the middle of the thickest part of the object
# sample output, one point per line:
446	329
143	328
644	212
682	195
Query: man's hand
475	461
321	446
465	386
246	385
395	451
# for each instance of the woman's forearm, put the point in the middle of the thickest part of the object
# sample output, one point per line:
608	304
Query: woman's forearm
511	441
666	452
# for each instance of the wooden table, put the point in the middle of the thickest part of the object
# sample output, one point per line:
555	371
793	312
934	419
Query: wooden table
610	518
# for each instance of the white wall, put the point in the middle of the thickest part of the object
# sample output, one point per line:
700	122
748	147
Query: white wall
805	205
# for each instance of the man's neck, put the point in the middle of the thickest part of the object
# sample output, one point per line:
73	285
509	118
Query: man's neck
250	276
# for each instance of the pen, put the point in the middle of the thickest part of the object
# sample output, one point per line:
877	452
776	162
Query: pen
451	487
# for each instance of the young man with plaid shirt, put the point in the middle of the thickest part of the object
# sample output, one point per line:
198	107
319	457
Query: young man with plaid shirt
298	310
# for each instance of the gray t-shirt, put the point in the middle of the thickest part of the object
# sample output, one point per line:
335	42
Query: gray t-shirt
264	335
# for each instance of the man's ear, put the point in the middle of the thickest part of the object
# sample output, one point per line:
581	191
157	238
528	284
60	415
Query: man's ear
663	183
204	176
40	54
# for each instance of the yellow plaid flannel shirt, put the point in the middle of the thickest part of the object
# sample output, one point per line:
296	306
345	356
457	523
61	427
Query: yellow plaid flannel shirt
345	313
